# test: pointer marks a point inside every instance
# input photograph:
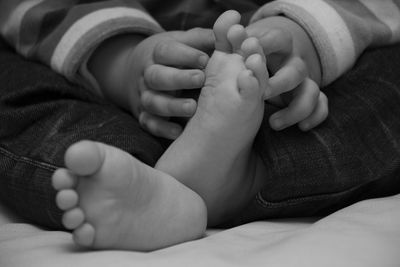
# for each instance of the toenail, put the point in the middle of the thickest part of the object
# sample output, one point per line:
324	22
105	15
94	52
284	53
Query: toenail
174	133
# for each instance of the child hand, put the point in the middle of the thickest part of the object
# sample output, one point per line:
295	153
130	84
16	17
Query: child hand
176	64
143	74
294	83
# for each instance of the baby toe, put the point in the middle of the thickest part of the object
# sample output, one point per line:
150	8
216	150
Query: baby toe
66	199
84	235
236	35
63	179
252	46
73	218
221	28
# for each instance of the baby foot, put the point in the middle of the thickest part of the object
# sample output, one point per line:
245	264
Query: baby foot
213	156
113	201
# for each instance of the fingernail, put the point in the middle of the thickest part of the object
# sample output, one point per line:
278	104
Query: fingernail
174	133
305	127
203	61
141	115
198	79
188	107
267	93
277	124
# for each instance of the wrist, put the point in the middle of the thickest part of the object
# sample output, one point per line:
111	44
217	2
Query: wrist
108	65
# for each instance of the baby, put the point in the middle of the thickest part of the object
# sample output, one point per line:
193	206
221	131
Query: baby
112	201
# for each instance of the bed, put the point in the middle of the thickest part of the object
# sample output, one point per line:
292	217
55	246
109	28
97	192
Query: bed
366	234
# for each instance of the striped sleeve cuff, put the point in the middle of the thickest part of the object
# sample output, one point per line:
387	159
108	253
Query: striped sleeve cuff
73	50
325	27
386	12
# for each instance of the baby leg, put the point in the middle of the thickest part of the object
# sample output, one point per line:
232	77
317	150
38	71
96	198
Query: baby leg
214	155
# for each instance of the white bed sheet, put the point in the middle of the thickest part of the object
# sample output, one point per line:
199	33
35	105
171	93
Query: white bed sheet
366	234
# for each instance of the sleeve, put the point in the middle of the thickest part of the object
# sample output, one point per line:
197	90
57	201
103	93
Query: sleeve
63	33
340	30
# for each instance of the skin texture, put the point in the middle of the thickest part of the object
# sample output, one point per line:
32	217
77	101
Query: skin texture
113	201
142	75
296	73
214	156
145	75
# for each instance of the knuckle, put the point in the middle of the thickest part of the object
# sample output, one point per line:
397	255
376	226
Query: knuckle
177	77
150	76
172	108
161	49
146	99
303	112
299	68
284	38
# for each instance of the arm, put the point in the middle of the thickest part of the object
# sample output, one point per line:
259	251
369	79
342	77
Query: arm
340	30
63	35
88	42
142	74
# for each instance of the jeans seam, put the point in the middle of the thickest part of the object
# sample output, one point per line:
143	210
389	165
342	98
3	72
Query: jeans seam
36	163
43	165
295	201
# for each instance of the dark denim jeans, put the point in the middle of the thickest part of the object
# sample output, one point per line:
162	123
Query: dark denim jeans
41	115
354	155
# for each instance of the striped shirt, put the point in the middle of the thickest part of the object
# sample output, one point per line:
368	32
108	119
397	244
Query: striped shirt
64	33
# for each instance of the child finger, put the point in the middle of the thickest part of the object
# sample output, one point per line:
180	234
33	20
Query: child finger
159	126
276	41
166	105
291	75
177	54
319	114
164	78
200	38
303	104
